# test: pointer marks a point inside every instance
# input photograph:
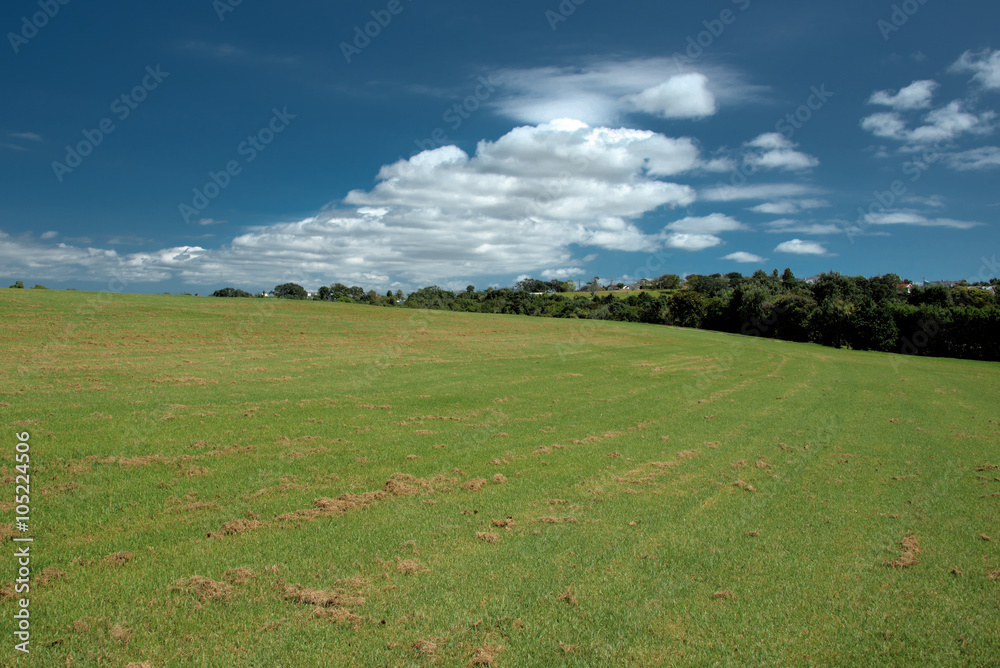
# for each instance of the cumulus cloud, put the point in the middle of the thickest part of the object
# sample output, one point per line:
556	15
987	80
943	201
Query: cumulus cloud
939	125
681	96
773	150
984	64
600	92
51	234
690	242
745	258
711	224
799	247
915	96
525	202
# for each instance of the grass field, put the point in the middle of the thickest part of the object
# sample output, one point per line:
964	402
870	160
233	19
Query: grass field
272	483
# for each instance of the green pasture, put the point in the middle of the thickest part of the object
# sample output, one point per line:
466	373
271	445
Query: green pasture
261	482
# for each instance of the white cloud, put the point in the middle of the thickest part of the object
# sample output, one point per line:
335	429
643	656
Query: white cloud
523	203
210	221
799	247
711	224
985	157
913	218
984	64
51	234
746	258
600	92
788	207
562	274
885	124
681	96
942	124
762	191
775	151
787	226
915	96
691	242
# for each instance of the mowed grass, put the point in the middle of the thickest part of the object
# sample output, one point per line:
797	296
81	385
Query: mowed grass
519	491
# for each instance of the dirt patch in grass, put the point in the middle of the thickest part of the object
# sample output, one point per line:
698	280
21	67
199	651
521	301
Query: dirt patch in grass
725	595
410	567
557	520
744	485
485	656
474	485
988	467
337	615
685	454
240	526
911	552
506	523
204	589
500	479
120	633
401	484
567	597
50	575
995	575
118	558
239	575
320	598
425	647
487	536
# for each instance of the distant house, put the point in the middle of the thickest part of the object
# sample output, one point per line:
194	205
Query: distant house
812	280
907	287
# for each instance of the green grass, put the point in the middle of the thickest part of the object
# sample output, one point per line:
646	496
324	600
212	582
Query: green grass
647	470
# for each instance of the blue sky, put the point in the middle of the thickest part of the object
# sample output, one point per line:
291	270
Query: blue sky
394	144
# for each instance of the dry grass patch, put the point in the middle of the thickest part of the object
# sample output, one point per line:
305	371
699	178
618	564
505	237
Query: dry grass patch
240	526
425	647
485	656
911	550
474	485
204	589
725	595
744	485
500	479
411	567
118	558
337	615
567	597
240	575
487	536
320	598
120	633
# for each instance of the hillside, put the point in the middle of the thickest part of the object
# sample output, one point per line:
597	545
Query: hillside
279	483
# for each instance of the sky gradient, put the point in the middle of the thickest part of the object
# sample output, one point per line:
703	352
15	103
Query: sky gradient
396	144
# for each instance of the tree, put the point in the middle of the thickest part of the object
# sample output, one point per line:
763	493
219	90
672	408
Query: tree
231	292
290	291
323	294
594	285
873	327
687	308
710	286
18	284
39	287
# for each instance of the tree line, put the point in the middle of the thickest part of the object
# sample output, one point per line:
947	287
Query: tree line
882	313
